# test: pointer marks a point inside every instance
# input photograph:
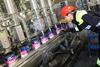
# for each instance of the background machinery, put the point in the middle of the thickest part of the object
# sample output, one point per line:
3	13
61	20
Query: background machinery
31	34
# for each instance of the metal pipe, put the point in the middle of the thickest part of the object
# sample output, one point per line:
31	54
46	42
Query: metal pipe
10	6
50	5
4	40
55	21
37	11
46	13
25	27
12	10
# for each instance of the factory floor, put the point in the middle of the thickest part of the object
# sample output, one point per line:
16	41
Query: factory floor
84	59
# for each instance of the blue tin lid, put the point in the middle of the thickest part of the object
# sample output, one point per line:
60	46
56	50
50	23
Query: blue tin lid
22	48
10	56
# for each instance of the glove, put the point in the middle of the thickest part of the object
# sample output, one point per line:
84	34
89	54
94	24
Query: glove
62	21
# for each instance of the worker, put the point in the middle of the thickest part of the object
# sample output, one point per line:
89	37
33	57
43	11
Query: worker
82	19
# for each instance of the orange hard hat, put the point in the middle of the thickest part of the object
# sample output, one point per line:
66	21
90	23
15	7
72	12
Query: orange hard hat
67	9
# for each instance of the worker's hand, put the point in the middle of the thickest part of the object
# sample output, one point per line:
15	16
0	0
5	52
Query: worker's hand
62	21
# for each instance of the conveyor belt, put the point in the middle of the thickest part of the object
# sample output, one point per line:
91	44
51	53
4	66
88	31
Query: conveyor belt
29	60
34	56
